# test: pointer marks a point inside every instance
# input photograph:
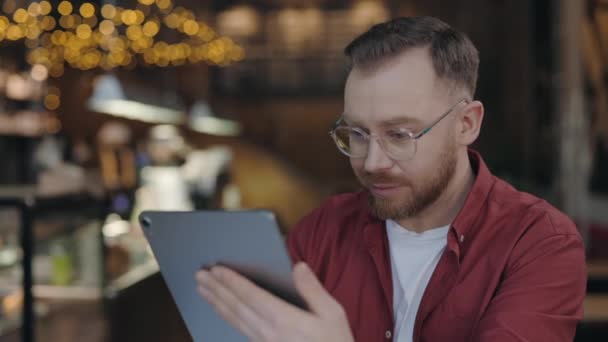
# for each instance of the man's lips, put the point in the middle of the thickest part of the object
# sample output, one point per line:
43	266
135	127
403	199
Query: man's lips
383	190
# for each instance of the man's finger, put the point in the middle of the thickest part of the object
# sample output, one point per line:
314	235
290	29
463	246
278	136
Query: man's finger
272	309
315	295
229	307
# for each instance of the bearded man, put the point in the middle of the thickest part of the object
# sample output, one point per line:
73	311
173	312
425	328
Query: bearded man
435	248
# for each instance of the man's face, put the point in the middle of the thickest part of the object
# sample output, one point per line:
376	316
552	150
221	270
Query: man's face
402	93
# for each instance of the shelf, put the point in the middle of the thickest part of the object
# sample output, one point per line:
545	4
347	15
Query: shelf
71	292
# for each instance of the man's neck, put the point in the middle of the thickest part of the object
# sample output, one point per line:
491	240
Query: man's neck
445	209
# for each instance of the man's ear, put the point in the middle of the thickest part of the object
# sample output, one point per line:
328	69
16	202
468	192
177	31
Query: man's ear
469	124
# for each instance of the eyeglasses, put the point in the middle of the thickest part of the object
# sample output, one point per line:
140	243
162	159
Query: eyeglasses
399	144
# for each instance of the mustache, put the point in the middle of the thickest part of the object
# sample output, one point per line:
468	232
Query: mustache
382	178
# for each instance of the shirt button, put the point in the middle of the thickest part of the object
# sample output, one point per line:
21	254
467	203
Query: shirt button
461	238
388	334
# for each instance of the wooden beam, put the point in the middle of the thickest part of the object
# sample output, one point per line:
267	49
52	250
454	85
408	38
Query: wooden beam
573	127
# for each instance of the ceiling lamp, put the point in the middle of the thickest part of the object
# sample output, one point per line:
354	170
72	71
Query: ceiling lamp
85	36
203	120
109	98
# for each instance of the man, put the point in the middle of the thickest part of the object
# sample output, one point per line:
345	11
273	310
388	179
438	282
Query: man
436	248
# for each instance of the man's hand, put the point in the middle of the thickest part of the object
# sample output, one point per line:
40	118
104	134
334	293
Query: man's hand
262	316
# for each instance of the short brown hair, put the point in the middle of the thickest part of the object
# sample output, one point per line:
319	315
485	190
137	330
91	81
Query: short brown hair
454	56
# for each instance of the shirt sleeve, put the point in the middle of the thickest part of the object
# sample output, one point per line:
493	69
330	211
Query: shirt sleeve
541	295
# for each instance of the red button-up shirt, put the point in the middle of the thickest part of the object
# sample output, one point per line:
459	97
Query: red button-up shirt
513	268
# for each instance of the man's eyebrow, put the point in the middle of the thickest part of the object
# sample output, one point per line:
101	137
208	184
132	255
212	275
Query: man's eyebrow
400	120
396	121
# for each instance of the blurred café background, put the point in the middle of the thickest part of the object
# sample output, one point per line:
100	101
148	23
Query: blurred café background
111	107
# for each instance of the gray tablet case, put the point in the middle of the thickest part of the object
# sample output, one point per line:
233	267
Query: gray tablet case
247	241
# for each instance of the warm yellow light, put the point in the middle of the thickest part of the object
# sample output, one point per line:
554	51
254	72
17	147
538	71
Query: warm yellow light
84	31
3	23
142	43
150	56
71	54
98	37
134	32
59	38
136	46
191	27
14	32
237	54
116	44
163	4
163	62
206	34
92	58
67	21
129	17
34	9
161	49
85	28
140	17
77	19
107	27
20	16
39	72
118	17
172	20
91	21
151	29
127	60
117	57
48	23
108	11
33	32
45	8
87	10
65	8
52	102
187	50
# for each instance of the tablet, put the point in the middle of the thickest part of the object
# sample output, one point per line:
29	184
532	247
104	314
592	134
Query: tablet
249	242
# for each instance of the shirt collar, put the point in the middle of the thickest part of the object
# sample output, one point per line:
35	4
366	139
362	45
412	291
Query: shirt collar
477	197
474	202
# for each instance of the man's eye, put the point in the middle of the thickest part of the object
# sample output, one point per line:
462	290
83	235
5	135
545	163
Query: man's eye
356	134
398	135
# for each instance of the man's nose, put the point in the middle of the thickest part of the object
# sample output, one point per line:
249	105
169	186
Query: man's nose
376	159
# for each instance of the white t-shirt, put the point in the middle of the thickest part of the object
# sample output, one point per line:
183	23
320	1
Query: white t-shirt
414	257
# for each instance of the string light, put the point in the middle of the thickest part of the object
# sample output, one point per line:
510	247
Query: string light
34	9
87	10
45	8
108	11
87	36
65	8
52	101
